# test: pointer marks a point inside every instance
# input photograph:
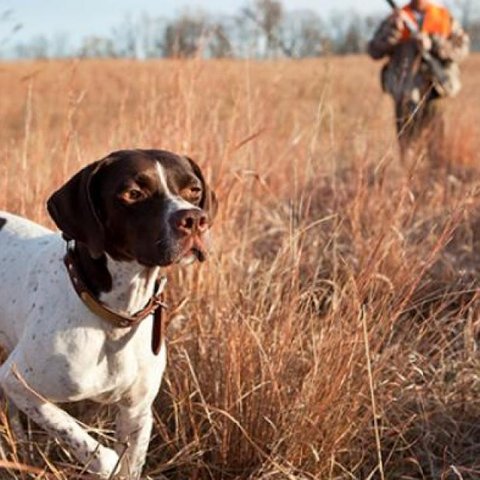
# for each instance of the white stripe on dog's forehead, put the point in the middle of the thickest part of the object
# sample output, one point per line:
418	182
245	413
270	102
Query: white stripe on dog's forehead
177	202
162	177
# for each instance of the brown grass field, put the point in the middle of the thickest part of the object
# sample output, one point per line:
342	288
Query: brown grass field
334	333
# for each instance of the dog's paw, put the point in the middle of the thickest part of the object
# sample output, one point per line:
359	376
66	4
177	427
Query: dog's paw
105	463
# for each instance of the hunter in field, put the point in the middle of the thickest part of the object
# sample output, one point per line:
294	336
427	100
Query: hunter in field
424	45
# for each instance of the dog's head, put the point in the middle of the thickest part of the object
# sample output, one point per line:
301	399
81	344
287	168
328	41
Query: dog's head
151	206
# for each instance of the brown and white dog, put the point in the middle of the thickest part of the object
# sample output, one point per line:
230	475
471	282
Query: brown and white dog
126	216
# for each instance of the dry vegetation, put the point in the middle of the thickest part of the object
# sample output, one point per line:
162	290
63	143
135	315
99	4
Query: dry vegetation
334	332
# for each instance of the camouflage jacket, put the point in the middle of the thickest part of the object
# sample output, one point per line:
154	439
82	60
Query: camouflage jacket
406	76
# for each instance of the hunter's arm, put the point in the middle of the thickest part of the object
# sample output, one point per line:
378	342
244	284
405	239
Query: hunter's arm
386	37
454	48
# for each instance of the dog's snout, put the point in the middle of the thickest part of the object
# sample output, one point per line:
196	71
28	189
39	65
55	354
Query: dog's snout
189	221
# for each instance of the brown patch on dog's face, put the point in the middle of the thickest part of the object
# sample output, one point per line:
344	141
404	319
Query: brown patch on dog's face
3	222
145	205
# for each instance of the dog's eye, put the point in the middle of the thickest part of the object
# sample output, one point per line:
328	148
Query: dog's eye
195	191
192	194
132	195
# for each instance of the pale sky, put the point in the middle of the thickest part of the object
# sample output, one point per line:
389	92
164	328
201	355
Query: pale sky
80	18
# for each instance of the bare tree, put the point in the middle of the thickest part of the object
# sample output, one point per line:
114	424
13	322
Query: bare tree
268	15
126	38
349	33
303	33
184	36
37	48
474	33
152	31
60	47
97	47
246	35
468	12
465	9
219	42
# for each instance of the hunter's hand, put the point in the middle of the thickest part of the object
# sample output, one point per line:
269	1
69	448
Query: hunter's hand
424	42
397	20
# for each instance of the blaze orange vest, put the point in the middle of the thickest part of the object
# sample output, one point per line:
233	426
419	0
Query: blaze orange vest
437	21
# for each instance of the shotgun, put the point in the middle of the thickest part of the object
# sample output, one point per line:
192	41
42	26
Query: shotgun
440	78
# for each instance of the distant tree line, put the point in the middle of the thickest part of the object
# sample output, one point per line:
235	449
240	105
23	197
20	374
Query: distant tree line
262	29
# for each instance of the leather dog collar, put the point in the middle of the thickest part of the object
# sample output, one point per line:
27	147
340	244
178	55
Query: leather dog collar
154	306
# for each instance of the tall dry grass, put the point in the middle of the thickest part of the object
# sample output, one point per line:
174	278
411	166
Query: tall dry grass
334	332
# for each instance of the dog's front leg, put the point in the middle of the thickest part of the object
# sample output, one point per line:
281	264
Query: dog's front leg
98	459
134	426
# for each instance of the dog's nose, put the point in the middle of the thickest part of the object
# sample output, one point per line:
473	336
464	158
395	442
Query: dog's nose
189	221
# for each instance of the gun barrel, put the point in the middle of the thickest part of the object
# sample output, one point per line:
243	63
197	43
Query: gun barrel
392	4
409	23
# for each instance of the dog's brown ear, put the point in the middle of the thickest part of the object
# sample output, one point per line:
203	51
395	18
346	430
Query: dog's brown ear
73	210
209	202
